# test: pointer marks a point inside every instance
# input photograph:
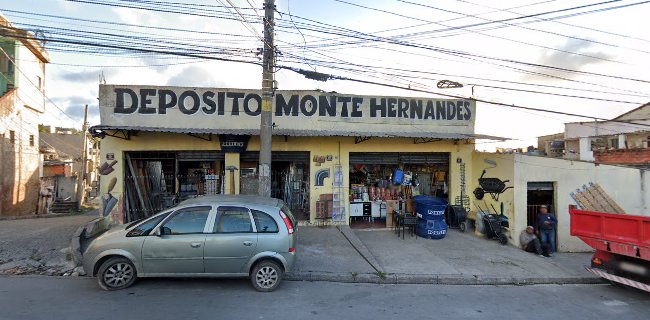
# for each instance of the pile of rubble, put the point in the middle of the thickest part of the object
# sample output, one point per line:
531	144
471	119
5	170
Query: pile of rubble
53	263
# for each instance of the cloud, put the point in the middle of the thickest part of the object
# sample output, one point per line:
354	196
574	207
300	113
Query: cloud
563	59
81	76
195	76
74	106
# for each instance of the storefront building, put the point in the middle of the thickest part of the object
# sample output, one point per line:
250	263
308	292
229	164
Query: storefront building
331	152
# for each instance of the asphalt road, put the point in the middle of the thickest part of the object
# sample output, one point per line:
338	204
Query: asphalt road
39	297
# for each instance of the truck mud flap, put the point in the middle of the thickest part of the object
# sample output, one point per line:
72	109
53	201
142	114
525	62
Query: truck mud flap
621	280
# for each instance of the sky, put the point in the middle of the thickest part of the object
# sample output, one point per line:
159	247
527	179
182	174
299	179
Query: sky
423	42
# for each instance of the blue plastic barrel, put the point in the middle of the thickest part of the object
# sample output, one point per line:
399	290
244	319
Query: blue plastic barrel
430	208
432	229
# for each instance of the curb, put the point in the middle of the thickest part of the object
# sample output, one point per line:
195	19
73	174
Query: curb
435	279
361	248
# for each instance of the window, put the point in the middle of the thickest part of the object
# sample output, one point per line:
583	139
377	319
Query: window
31	140
39	82
12	137
233	220
188	220
145	227
613	143
264	223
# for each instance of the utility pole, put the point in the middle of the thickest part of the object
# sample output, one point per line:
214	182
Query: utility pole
81	185
268	79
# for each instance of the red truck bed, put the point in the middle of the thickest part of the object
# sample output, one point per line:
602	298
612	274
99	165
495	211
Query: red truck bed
616	233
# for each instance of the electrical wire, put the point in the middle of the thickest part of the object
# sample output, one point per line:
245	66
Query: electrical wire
335	77
531	29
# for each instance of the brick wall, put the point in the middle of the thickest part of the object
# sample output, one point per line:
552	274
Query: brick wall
640	156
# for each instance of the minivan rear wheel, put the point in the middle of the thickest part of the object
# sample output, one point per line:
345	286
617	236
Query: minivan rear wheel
266	276
116	273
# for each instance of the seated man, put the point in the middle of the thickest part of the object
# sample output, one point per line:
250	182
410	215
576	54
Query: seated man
530	242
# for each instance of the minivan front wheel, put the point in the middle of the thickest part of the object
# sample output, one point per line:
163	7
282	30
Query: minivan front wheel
266	276
116	274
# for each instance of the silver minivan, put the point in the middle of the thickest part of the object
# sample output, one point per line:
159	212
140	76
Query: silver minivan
211	236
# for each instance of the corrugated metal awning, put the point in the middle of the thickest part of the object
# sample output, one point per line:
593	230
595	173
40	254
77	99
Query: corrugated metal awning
300	133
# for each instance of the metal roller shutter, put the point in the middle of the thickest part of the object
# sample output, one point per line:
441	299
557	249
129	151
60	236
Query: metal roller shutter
393	158
199	156
297	156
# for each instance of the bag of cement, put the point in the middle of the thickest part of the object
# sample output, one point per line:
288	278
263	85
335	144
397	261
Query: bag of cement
480	226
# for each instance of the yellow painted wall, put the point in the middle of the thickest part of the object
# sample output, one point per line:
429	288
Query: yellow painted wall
504	170
338	147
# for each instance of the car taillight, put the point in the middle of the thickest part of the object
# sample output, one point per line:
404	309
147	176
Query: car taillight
287	222
292	250
597	261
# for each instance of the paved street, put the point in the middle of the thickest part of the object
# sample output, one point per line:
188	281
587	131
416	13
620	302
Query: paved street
37	297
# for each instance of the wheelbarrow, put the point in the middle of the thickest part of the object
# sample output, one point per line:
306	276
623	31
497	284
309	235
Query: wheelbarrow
492	186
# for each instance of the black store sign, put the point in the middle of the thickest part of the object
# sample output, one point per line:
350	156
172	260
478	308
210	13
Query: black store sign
231	143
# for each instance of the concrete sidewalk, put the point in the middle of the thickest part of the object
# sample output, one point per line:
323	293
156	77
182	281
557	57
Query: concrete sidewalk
379	256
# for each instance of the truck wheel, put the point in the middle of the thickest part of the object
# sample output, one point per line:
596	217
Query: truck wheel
266	276
116	274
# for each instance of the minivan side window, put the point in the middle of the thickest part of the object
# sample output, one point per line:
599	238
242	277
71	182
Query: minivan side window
145	227
233	220
187	221
264	222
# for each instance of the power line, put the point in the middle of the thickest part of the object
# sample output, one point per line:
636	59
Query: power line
461	53
101	45
328	64
509	10
127	24
474	31
32	83
310	74
446	20
532	29
412	35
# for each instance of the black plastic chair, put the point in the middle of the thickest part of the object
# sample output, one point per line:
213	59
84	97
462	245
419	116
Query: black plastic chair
409	221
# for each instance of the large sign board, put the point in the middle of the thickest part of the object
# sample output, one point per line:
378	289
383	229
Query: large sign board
315	112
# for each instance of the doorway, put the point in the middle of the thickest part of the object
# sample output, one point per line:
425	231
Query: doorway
289	179
538	194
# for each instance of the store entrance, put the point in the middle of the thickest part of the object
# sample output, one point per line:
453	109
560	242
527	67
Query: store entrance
381	183
289	179
539	193
155	180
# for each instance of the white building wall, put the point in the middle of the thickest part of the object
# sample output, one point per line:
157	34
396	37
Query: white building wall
29	70
576	130
586	154
629	187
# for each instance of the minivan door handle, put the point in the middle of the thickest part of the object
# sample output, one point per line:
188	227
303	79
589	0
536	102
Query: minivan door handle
248	243
195	244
